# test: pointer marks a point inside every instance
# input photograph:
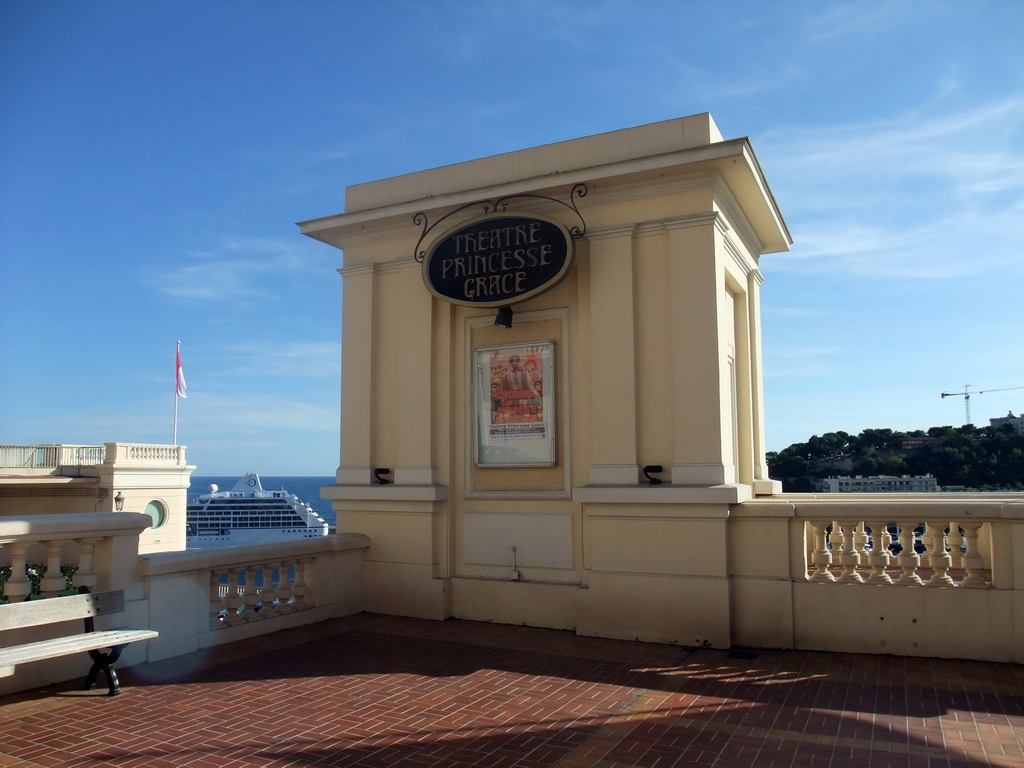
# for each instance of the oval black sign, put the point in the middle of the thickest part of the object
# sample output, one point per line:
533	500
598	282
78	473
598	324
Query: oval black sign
498	259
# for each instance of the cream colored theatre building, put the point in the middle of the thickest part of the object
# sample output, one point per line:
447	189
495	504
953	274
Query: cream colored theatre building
551	414
552	381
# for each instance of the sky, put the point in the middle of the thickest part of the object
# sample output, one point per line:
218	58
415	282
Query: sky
155	156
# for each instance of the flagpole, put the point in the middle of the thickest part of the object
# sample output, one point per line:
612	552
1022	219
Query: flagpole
179	388
177	367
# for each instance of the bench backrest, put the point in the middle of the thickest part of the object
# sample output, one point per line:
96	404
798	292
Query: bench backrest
35	613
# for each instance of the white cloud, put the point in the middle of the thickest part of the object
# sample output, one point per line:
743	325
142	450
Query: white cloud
294	359
976	143
839	22
233	269
255	414
913	197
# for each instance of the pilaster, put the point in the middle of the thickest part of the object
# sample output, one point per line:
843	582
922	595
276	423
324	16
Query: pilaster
763	485
612	377
697	286
415	464
356	462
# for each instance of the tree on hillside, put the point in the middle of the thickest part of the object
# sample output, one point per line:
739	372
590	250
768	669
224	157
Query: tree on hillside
977	457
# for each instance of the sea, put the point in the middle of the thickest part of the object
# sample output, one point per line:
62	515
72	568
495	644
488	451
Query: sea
306	488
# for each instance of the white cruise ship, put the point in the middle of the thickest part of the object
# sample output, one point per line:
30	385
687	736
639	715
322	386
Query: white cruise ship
247	514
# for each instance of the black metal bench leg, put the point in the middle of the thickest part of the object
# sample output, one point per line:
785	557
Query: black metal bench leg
104	661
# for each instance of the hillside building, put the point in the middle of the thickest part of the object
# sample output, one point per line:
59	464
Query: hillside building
880	484
1017	422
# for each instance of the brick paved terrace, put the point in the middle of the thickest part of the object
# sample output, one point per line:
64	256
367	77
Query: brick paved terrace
373	691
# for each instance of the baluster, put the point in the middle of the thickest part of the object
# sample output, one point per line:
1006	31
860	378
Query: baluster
86	574
250	596
822	557
284	589
861	540
232	599
850	557
52	583
908	559
216	602
974	564
299	586
880	556
18	586
938	557
267	594
955	540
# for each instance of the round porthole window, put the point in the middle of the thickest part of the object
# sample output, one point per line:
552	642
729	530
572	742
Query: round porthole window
157	511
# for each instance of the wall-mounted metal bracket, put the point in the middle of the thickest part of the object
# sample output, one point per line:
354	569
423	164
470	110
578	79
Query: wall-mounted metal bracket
501	204
653	468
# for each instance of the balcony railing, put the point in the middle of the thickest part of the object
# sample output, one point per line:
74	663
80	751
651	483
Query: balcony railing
194	599
50	456
931	577
904	553
33	458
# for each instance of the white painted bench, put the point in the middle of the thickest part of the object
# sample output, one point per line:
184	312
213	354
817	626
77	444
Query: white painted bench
36	613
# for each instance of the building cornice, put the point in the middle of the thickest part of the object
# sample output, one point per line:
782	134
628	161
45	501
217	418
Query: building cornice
688	168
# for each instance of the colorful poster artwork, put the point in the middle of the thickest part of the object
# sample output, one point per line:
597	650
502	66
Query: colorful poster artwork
515	419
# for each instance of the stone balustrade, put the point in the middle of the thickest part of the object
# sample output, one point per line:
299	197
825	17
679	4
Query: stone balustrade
918	575
99	548
195	598
930	553
926	577
49	457
258	592
35	459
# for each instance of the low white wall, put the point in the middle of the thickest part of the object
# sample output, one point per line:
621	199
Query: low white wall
776	603
105	546
175	593
181	604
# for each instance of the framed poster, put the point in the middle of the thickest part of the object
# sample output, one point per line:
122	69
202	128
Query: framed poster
514	394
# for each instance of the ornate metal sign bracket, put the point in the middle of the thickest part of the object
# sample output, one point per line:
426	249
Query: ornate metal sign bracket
501	204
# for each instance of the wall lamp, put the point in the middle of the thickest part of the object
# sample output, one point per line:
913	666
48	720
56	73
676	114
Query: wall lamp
504	317
119	502
378	475
653	468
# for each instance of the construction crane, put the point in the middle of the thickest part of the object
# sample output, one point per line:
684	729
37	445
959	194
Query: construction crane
966	393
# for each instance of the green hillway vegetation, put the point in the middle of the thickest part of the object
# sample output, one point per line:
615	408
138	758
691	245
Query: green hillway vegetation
967	457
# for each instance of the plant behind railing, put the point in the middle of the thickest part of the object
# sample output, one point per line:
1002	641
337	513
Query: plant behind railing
35	572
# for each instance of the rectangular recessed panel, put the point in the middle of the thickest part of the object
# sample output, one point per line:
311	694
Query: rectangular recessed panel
541	541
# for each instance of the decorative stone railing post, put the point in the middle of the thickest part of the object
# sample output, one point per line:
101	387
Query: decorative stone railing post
299	587
955	542
18	586
938	557
216	601
974	564
850	557
879	557
284	589
232	599
250	597
267	594
53	583
908	560
861	541
821	557
85	576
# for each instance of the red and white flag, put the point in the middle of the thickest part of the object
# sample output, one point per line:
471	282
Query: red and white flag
179	379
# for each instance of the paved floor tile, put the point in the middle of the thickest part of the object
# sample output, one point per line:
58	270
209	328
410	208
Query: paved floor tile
372	691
